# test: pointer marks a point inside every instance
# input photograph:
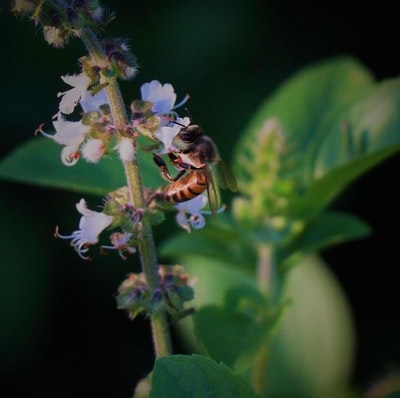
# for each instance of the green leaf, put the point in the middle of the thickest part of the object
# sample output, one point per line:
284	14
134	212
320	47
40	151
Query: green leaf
322	191
221	239
221	332
195	376
301	104
236	332
394	394
369	124
311	355
326	230
38	162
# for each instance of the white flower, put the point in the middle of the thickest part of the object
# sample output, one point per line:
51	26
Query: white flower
126	150
193	208
93	150
78	91
120	242
90	102
166	134
91	224
70	134
163	97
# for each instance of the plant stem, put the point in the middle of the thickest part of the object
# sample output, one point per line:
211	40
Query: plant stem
146	246
265	269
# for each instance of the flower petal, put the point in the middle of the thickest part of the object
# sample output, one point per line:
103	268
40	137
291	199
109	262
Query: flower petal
166	135
67	132
70	155
91	102
92	223
71	97
193	206
162	97
182	221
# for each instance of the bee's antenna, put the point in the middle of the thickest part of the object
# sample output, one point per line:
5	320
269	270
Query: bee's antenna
189	114
179	124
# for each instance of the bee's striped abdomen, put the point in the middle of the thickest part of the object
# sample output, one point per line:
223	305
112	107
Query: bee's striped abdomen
187	187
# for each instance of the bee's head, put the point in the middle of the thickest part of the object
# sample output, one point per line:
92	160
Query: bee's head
191	133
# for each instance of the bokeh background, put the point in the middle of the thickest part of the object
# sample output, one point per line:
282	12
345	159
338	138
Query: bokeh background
60	333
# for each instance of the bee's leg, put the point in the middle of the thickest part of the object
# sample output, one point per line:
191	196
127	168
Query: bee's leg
180	164
159	161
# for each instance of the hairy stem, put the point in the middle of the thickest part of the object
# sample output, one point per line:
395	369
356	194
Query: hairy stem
147	249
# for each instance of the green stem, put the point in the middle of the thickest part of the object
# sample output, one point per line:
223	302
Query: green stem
259	375
265	269
147	249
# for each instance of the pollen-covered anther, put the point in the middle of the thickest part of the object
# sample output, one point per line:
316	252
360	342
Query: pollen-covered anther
39	130
56	231
74	156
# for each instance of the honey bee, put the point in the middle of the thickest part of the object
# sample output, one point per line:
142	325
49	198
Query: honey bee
194	160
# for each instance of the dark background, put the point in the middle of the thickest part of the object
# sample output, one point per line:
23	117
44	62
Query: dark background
60	332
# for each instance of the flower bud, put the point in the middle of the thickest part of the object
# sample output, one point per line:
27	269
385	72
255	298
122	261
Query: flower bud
55	36
123	62
23	6
90	118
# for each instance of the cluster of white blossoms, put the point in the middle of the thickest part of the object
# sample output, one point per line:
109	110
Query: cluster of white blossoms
95	135
79	138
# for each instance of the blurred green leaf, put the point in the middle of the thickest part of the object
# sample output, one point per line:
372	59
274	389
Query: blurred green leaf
38	162
326	230
221	332
312	353
195	376
394	394
222	239
369	124
235	332
301	104
322	191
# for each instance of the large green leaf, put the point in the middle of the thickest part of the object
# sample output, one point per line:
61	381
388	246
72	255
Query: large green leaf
302	103
195	376
38	162
221	332
325	230
369	124
323	190
312	352
236	332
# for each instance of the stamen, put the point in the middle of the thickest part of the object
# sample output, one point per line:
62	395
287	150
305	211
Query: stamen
40	131
185	99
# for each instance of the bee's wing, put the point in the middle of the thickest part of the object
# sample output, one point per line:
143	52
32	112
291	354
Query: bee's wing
212	193
225	177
